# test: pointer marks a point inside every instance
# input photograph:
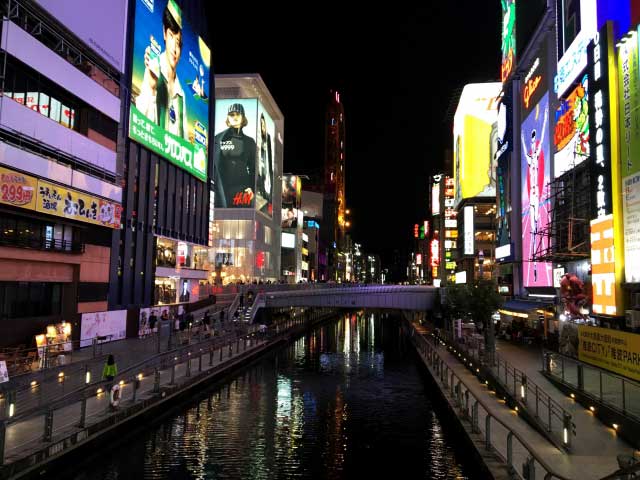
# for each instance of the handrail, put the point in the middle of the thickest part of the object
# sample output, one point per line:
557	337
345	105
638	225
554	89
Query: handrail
432	349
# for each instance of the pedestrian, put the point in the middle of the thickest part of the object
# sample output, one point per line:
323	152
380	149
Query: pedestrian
206	320
110	369
153	319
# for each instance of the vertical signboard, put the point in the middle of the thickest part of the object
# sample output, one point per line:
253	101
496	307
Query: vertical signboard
508	38
535	194
606	244
170	86
503	171
435	194
265	158
468	230
629	100
235	152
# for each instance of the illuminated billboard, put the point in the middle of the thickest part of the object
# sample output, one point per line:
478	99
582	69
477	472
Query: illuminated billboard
265	167
535	195
508	38
603	266
100	25
503	167
169	111
475	133
435	194
571	136
235	151
535	83
629	99
290	217
291	191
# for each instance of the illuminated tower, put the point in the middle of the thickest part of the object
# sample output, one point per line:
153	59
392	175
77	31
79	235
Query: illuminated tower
333	230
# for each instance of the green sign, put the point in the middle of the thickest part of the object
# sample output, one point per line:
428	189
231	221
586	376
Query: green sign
629	106
190	157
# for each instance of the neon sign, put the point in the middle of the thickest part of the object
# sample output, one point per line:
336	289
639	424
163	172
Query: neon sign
508	38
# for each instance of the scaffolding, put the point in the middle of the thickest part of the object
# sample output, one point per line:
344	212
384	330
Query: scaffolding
567	234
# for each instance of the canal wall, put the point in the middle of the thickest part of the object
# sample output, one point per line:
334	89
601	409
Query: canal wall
150	402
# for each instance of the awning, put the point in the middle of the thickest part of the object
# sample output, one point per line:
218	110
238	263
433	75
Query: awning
522	308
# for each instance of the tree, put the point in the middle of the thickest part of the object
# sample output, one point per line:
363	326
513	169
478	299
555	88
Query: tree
484	300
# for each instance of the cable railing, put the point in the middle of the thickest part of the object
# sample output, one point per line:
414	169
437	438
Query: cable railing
511	447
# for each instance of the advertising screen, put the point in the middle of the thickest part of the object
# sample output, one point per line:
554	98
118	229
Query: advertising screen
475	135
535	194
99	24
289	217
630	153
508	38
571	136
503	167
288	240
291	191
235	152
435	194
111	325
170	86
265	168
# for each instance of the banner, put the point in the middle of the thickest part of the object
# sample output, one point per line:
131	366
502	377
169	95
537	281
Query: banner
65	202
613	350
17	189
170	86
109	326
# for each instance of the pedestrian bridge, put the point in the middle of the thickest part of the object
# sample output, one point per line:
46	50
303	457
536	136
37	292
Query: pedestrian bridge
397	297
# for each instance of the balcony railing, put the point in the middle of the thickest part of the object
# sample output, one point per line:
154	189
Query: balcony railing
42	243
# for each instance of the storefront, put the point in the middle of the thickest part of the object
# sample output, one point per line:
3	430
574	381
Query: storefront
525	320
181	268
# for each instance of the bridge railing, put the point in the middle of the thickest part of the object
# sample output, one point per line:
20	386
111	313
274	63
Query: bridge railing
511	447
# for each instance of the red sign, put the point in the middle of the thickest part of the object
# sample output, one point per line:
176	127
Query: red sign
416	231
435	252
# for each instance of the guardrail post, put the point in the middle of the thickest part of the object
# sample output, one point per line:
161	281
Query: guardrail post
48	426
3	432
158	341
474	418
466	403
135	385
156	381
529	469
83	411
200	362
210	356
624	403
188	373
537	401
580	377
510	451
487	431
600	371
94	344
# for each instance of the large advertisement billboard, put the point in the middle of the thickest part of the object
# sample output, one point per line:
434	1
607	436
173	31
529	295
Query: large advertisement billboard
571	135
628	85
535	194
235	151
170	86
265	168
99	24
475	133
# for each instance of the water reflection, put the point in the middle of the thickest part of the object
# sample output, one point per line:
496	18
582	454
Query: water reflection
344	401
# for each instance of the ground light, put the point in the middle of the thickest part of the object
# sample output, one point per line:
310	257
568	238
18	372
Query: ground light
34	383
87	377
99	391
565	435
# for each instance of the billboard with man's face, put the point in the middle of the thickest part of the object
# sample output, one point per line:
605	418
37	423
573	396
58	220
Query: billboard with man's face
235	152
170	86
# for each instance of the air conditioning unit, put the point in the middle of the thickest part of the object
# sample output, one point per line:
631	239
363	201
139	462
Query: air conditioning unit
632	318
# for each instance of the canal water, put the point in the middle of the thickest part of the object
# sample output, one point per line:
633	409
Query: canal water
348	400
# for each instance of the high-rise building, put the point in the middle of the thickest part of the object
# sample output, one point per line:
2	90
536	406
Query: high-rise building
248	157
60	173
334	228
159	255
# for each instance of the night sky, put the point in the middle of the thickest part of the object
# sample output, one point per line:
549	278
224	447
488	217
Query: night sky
396	70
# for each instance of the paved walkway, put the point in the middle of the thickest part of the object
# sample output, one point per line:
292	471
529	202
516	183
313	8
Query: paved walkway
594	441
595	447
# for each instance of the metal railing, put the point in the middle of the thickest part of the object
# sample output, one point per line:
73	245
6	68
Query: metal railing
549	416
75	407
619	393
42	243
499	438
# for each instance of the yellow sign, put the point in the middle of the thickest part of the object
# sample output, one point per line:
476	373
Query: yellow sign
613	350
68	203
17	189
603	263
